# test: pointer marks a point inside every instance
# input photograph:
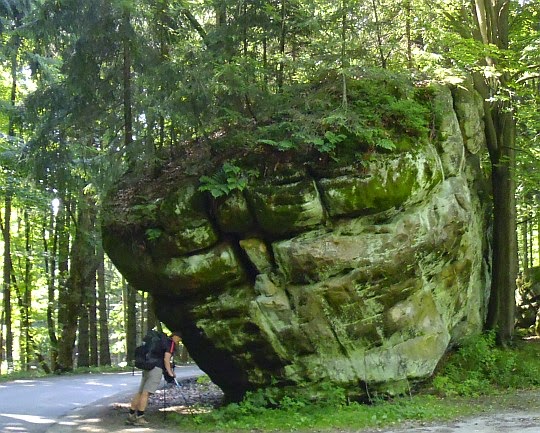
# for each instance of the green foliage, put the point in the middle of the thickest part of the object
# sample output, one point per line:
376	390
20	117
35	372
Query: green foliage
204	379
153	234
479	366
228	179
144	211
386	112
298	413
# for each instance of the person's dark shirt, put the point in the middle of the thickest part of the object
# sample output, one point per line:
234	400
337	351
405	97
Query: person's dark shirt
167	345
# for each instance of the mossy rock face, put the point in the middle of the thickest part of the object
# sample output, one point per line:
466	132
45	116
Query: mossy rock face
286	208
232	214
362	273
386	182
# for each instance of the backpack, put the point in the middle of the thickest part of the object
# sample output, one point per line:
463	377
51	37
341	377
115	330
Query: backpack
150	353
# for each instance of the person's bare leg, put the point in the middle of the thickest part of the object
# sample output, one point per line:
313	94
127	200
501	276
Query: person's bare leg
135	401
142	401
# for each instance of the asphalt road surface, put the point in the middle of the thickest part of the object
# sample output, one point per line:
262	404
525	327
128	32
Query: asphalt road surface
33	405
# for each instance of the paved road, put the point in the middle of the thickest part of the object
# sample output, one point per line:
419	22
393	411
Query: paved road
32	406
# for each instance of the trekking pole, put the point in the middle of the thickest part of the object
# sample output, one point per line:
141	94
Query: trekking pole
183	396
164	398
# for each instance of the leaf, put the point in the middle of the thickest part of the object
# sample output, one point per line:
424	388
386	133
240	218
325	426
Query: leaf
385	143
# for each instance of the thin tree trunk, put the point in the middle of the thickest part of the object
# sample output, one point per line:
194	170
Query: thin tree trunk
7	280
538	234
282	39
530	239
408	18
63	229
130	308
525	245
93	319
27	295
104	352
2	319
83	340
7	264
344	60
265	62
151	318
50	271
127	104
378	33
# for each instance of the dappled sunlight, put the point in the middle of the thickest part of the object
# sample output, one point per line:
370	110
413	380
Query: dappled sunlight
78	423
25	383
119	405
104	385
33	419
186	410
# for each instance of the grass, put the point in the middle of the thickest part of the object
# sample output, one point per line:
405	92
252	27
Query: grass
476	378
353	416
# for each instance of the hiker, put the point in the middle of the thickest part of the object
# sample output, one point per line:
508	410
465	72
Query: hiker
151	378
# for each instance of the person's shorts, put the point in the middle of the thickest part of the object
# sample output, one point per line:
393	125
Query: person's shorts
150	380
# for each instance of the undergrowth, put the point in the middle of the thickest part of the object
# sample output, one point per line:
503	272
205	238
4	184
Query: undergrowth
477	368
480	367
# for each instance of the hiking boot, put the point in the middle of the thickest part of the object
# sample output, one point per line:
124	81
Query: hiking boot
140	420
131	418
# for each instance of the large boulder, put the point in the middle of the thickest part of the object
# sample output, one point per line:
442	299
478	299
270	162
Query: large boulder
361	275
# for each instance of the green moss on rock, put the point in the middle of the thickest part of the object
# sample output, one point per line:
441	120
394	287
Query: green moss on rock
288	208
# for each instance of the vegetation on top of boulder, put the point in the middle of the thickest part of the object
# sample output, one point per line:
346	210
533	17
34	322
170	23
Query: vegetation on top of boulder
381	109
385	112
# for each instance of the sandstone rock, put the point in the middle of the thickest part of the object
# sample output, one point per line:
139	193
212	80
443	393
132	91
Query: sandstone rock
361	276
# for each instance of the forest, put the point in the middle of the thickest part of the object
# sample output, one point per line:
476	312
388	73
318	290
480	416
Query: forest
91	90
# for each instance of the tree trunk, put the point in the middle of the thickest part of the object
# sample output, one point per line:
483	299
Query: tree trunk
530	241
26	319
63	232
491	17
128	116
92	317
282	39
502	305
378	34
525	245
83	340
344	60
538	233
2	317
408	19
130	308
104	352
82	271
151	318
7	279
7	264
50	272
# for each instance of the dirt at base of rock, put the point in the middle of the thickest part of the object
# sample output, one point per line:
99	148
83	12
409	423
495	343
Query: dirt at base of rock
189	393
